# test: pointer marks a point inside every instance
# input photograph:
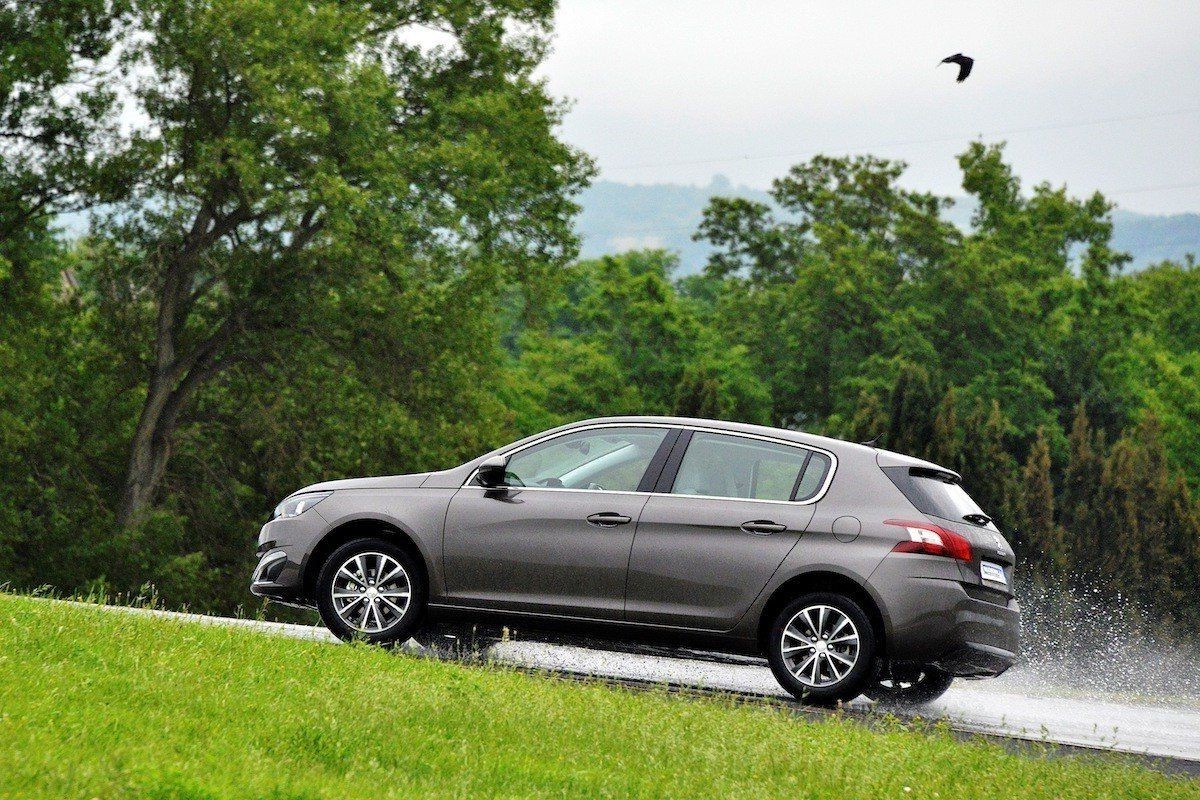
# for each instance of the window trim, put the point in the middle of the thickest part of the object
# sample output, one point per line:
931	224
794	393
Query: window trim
800	476
666	478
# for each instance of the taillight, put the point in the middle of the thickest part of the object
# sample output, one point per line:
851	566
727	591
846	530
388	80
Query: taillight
932	540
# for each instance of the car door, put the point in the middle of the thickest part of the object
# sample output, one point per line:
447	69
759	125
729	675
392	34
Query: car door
556	539
731	508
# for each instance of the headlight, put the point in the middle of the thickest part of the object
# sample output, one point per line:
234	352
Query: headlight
295	506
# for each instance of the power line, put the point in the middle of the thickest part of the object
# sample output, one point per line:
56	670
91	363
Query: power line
909	142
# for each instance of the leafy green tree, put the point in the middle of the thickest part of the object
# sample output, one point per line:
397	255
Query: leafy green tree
914	406
811	291
288	146
59	393
58	111
720	384
627	303
557	380
1081	491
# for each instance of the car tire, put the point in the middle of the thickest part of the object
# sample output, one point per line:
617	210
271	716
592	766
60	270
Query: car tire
920	686
371	590
843	650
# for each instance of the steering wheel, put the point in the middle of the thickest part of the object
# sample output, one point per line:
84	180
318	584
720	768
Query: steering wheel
550	483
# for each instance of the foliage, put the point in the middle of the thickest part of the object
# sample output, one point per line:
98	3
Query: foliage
283	148
1016	354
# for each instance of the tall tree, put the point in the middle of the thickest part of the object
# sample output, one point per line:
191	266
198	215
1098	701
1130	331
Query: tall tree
285	145
1081	492
1044	543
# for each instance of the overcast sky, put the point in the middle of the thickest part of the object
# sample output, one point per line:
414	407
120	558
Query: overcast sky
678	90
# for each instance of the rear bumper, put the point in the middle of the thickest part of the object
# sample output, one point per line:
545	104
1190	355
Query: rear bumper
972	660
944	623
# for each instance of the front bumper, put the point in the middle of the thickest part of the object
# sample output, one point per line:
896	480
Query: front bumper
283	545
269	579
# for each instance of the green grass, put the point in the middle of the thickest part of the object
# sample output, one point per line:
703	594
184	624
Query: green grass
106	705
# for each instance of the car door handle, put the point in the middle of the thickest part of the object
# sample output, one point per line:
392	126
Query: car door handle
608	519
763	526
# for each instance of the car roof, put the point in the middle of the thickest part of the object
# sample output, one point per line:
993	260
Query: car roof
839	447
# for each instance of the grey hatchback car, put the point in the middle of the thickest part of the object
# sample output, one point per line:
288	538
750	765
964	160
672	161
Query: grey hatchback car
853	570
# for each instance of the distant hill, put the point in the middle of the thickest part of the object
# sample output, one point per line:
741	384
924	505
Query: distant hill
617	217
1153	238
620	216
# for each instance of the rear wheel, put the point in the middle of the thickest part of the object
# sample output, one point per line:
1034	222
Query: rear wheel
910	686
822	648
371	589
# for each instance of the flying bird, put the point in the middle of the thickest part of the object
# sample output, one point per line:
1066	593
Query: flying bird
964	65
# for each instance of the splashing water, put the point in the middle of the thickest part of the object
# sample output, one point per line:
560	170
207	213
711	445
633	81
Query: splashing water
1087	643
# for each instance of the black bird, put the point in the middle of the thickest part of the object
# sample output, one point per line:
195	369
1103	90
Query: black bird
964	65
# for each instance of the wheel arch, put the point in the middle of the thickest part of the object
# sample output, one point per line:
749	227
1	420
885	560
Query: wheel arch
360	528
822	580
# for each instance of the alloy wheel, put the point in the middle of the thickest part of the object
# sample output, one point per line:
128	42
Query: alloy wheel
371	592
820	646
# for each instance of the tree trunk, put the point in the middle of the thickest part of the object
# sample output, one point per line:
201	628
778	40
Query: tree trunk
170	389
176	375
148	454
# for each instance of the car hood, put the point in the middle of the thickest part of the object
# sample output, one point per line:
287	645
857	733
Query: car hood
383	482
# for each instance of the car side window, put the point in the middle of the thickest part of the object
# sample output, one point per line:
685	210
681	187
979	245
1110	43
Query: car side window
721	465
603	459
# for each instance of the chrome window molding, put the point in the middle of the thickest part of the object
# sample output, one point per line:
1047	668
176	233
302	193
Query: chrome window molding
833	466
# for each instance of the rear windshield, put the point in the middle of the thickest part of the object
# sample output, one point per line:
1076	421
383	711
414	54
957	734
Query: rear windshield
933	493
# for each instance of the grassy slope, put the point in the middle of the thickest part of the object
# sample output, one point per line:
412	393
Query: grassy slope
97	704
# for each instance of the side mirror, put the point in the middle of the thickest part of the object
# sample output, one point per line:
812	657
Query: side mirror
491	473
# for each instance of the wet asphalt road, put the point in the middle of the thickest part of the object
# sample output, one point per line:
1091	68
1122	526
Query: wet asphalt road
1016	705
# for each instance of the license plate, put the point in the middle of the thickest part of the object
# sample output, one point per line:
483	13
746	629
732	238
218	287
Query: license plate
992	572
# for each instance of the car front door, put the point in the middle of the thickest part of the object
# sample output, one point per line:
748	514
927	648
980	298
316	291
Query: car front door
732	508
556	539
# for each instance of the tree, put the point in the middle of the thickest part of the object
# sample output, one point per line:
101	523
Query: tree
58	115
813	290
628	306
719	384
288	145
1081	484
914	405
1044	541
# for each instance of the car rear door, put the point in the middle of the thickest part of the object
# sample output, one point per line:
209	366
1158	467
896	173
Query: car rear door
557	539
721	522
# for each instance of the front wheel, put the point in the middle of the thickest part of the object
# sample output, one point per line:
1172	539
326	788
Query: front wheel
371	589
910	687
822	648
